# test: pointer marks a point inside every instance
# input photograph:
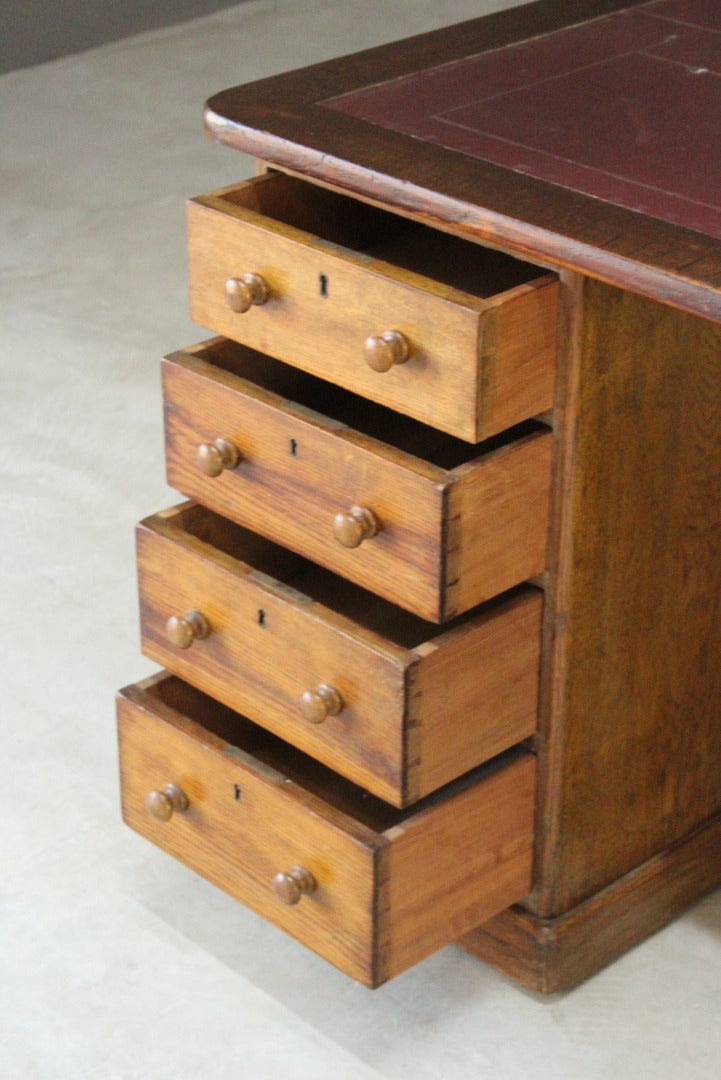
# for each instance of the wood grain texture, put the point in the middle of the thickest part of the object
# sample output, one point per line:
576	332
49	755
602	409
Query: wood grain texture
519	357
469	689
630	749
498	519
261	665
628	797
450	536
379	903
240	844
283	120
360	645
450	380
550	955
449	866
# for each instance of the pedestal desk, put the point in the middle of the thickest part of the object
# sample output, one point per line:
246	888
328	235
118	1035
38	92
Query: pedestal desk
442	622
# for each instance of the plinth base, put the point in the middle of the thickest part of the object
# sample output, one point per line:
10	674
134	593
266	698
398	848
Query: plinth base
547	955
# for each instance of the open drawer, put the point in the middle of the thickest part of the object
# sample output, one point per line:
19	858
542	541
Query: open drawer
371	889
387	699
454	334
307	464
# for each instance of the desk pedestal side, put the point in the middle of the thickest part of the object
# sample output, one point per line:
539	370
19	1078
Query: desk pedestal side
628	824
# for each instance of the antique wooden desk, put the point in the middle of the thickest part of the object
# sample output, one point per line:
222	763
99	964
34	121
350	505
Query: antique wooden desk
455	549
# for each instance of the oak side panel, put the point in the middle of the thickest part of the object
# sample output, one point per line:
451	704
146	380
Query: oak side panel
631	754
455	865
474	694
498	522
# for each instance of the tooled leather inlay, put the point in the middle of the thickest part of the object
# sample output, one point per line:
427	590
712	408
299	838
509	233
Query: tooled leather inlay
626	108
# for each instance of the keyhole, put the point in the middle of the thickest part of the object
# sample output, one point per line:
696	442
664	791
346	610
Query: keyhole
323	280
293	448
261	617
237	792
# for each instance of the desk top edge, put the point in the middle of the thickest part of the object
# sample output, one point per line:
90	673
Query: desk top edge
285	121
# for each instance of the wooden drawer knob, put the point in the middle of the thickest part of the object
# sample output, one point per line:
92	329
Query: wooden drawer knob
289	887
163	804
384	350
183	630
244	291
317	704
352	527
213	457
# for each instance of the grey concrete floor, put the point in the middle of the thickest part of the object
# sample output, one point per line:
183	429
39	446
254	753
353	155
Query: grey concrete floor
116	962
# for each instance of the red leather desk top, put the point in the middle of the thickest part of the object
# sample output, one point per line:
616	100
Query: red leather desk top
625	107
581	132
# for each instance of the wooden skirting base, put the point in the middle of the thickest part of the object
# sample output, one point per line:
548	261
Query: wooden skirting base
547	955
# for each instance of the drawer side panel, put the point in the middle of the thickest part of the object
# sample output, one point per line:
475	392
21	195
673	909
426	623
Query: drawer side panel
498	523
457	864
475	694
518	347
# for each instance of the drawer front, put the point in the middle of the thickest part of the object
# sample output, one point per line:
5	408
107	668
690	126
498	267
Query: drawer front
474	366
445	539
395	727
244	824
370	906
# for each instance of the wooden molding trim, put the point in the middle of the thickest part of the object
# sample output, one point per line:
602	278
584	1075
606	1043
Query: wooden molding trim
285	120
548	955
